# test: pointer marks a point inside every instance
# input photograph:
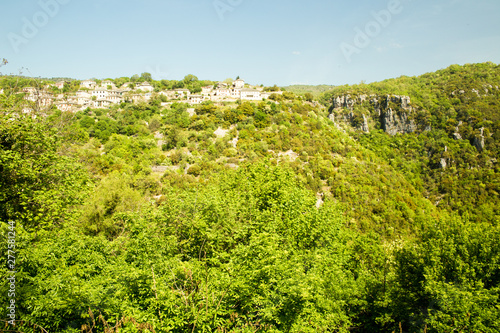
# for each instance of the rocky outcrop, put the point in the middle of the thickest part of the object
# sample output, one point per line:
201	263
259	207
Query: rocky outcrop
347	101
353	120
379	103
478	141
442	163
332	118
393	122
393	111
457	135
364	126
400	101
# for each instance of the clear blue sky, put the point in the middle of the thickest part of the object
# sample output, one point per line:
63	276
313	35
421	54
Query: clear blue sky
263	41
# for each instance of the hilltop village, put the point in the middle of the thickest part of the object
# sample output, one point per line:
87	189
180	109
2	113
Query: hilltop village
105	93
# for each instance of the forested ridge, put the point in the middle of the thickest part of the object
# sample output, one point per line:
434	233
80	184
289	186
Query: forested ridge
294	214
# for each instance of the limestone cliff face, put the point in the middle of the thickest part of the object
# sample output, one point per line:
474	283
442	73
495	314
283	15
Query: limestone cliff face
348	101
394	123
478	141
393	112
350	118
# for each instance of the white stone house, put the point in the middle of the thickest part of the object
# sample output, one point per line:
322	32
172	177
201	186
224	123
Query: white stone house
83	100
136	98
235	93
30	90
106	83
145	86
44	100
81	93
31	98
195	99
126	86
101	103
222	92
239	84
115	99
207	91
65	106
250	95
182	92
60	84
265	95
41	99
89	84
82	97
100	93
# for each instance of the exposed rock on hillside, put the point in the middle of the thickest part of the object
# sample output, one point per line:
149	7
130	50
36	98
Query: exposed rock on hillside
394	123
364	126
479	141
360	123
393	112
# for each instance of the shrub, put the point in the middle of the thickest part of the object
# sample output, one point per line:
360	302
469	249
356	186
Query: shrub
194	170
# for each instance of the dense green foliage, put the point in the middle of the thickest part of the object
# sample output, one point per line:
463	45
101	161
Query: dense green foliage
457	102
37	186
252	217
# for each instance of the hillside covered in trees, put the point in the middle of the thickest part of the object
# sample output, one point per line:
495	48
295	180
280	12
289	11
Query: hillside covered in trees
373	208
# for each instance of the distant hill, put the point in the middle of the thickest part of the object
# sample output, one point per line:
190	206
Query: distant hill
302	89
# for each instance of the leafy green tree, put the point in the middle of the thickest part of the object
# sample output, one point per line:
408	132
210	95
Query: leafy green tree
246	108
206	108
155	123
172	136
146	77
39	186
450	279
288	95
273	88
190	78
276	97
261	119
194	170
